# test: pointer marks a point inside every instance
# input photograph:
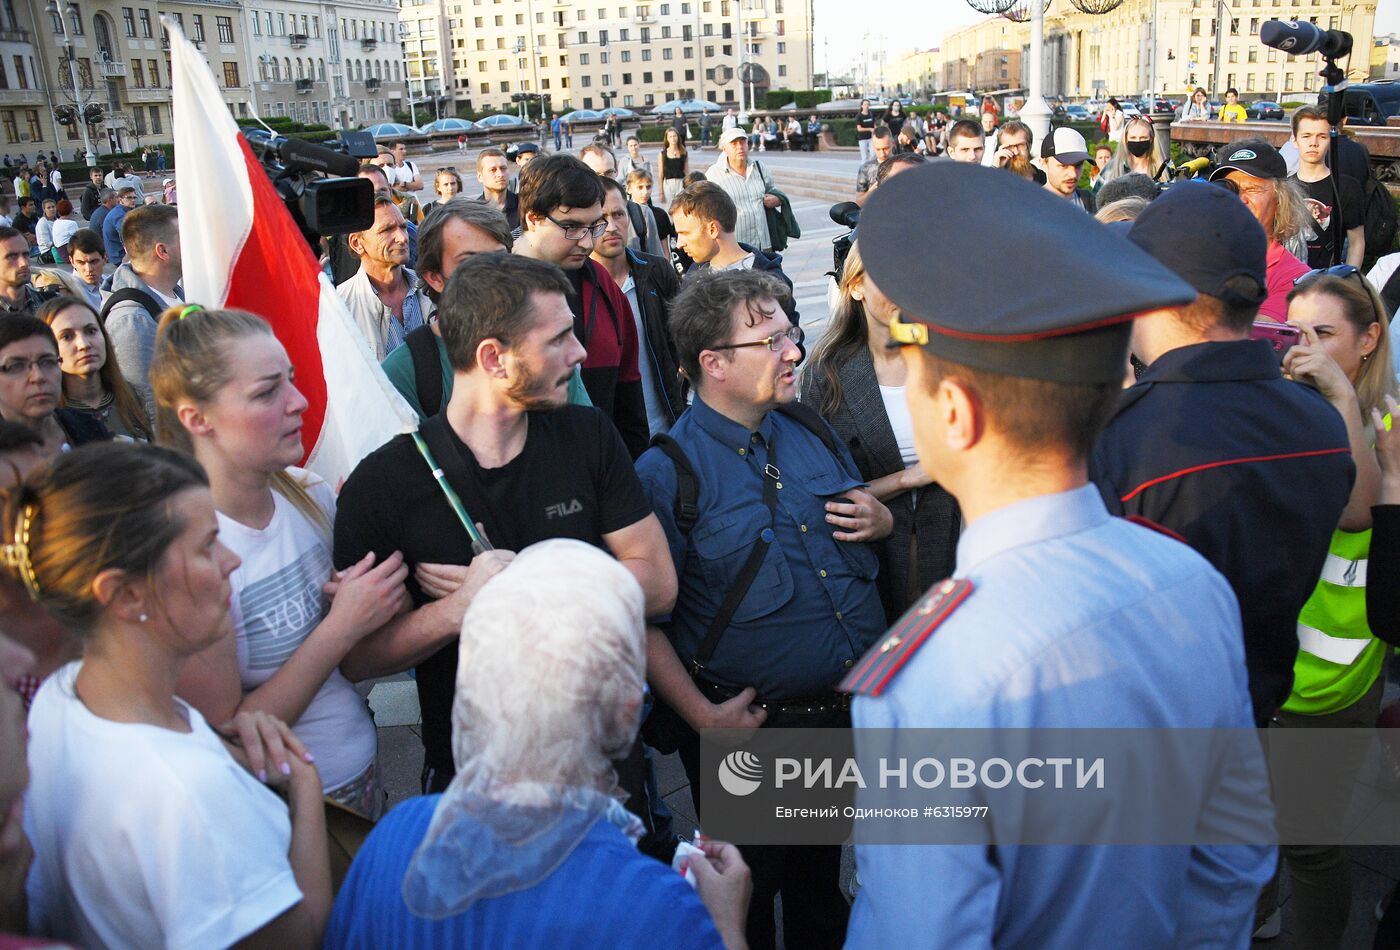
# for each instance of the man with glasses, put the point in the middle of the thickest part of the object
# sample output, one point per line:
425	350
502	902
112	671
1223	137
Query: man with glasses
770	474
561	212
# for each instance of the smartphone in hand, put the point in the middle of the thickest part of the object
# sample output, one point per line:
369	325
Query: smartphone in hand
1280	336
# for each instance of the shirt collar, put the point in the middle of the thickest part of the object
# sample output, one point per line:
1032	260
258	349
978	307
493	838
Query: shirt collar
725	430
1028	522
1215	362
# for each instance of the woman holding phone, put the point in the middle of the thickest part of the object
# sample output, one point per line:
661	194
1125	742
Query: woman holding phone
1338	675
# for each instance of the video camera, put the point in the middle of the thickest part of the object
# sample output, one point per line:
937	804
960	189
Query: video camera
846	214
318	183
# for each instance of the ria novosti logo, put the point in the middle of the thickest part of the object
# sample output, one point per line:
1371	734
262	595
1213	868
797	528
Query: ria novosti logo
740	773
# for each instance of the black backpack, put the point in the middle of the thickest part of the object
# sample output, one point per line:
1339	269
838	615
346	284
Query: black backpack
1380	217
148	303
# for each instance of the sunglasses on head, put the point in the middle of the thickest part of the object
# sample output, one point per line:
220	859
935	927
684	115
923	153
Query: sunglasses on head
1340	270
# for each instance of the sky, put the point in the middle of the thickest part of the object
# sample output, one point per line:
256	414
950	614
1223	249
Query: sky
844	27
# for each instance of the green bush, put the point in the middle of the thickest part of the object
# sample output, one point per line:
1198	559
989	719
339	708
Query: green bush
1291	105
650	133
805	98
843	130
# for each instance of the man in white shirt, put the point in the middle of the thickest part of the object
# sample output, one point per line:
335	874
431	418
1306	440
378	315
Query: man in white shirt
404	173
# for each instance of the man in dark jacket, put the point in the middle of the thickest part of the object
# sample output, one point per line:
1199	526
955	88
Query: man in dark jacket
1212	443
648	282
561	211
704	217
92	194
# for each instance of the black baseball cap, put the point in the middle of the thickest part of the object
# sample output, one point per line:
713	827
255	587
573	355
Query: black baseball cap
1035	326
1254	157
1208	238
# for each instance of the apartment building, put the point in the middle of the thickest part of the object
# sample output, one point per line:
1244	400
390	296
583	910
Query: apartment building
337	63
1119	52
583	55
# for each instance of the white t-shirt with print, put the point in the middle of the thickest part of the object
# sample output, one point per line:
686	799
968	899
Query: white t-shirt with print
277	602
147	837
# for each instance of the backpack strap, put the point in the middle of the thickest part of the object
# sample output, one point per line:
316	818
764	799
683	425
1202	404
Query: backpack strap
687	509
639	225
148	303
427	369
1390	293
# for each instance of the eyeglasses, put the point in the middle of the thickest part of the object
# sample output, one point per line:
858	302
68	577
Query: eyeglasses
17	368
575	232
774	342
1340	270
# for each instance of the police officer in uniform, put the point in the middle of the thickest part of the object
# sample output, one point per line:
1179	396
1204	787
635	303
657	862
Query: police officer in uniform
1057	615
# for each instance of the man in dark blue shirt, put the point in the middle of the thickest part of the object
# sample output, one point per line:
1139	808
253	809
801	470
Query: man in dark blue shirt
1251	469
764	479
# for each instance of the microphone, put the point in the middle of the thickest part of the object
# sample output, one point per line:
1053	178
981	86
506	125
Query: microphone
1299	38
1193	167
307	156
845	213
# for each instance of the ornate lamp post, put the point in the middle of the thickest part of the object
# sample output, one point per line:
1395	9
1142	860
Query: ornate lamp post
79	100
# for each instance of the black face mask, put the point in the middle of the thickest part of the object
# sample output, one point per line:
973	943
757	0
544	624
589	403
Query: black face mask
1139	149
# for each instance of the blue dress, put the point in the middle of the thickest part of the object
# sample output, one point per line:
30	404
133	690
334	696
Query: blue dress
604	894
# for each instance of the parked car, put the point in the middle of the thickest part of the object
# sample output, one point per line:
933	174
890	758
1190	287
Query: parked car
1264	109
1078	113
1371	103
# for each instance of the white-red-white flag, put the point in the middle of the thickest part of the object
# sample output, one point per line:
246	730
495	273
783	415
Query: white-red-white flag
242	249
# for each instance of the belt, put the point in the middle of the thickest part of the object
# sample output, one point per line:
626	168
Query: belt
813	705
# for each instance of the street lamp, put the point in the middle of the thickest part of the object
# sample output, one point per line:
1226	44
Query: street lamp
67	43
522	109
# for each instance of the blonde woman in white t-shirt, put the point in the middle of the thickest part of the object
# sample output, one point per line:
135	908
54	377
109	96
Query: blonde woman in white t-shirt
149	827
224	391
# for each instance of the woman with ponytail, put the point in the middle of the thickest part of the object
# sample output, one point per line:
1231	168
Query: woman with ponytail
224	393
149	827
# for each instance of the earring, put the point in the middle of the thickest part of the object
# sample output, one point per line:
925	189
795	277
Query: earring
143	618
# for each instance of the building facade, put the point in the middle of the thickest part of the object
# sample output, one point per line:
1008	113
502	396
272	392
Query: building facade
1122	53
336	63
641	53
1385	57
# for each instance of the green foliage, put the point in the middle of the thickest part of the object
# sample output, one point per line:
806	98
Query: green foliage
805	98
844	130
651	133
1292	105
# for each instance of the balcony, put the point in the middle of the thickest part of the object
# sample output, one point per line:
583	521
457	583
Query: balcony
304	86
372	85
644	18
14	36
298	40
111	70
369	44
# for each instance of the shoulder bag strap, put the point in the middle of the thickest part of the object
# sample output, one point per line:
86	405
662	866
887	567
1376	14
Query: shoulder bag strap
736	593
431	438
427	370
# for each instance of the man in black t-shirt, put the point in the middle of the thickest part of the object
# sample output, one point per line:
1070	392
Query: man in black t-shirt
1337	203
526	467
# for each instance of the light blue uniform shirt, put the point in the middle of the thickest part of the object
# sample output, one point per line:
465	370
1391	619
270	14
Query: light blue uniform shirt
1076	619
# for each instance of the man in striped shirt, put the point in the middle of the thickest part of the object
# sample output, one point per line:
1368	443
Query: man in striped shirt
747	184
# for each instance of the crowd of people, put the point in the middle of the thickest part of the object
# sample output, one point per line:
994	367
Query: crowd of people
643	502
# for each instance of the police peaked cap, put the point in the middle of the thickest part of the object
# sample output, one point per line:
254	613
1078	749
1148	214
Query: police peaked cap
1024	283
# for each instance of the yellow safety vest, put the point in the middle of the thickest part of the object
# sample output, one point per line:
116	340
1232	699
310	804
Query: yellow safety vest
1338	658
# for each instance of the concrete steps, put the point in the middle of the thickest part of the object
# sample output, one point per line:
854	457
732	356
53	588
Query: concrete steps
818	186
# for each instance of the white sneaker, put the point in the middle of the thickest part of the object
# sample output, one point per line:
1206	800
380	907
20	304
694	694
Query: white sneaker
1271	927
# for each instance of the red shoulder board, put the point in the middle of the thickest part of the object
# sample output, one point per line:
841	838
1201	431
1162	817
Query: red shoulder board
874	671
1154	526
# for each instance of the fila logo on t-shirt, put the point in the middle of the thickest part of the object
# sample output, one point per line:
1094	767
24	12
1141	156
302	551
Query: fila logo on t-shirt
563	509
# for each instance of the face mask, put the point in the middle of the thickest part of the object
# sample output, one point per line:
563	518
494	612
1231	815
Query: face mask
1139	149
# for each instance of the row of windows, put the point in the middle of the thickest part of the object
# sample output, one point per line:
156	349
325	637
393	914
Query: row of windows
24	73
270	68
1254	23
311	110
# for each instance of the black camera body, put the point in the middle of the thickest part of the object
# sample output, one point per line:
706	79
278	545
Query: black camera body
318	183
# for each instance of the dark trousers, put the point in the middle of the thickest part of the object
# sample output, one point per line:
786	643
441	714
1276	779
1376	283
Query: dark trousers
808	877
